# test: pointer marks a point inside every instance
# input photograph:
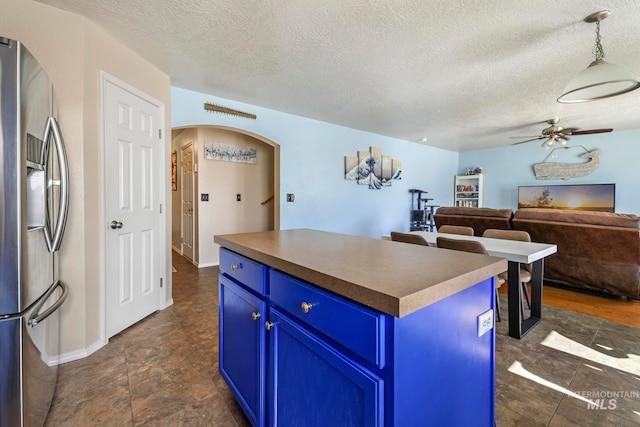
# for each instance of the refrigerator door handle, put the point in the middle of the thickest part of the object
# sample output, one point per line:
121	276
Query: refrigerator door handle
54	240
5	317
13	316
37	317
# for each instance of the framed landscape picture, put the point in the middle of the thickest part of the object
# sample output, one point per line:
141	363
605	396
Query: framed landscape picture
581	197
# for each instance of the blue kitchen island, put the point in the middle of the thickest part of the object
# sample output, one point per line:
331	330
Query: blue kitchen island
326	329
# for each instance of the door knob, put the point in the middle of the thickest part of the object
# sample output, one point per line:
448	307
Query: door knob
115	224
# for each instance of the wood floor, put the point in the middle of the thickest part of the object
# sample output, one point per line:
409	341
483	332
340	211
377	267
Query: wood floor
617	310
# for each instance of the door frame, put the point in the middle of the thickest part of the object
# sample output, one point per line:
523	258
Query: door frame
194	188
166	299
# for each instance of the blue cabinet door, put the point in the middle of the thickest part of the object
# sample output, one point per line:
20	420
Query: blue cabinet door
242	348
312	384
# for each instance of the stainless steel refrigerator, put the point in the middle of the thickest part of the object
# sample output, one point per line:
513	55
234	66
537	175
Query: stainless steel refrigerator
34	200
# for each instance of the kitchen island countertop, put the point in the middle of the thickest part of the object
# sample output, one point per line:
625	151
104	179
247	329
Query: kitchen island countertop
392	277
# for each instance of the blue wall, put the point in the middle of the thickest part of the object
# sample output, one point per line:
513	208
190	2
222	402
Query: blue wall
312	164
506	168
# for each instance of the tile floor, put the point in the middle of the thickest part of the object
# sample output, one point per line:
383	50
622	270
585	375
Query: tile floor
163	371
541	379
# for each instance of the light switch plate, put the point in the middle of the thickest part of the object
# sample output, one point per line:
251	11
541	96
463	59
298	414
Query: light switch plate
485	322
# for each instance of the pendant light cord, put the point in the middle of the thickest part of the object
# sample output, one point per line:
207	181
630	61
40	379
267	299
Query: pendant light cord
598	51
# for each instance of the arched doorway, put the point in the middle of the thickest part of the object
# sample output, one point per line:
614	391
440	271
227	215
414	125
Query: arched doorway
228	197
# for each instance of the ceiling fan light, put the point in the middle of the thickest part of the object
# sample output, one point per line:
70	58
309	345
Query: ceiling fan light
548	143
599	80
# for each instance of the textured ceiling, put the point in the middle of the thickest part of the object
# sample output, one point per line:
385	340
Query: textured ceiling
465	74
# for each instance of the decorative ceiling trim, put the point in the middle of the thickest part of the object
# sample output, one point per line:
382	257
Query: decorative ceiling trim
213	108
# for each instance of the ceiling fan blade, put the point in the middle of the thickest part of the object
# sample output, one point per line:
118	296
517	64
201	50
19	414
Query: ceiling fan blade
529	140
524	136
567	131
590	131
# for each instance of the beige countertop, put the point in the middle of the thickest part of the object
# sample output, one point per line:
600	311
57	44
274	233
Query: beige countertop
392	277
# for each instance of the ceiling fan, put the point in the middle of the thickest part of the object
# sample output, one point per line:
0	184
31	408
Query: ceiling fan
555	134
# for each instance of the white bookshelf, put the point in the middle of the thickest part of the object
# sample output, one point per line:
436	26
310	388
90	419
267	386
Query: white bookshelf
467	191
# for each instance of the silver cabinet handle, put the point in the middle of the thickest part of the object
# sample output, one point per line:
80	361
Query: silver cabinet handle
54	241
115	225
236	266
269	325
305	307
255	315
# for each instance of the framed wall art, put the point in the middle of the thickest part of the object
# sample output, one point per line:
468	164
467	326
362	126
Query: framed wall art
229	152
581	197
371	168
174	170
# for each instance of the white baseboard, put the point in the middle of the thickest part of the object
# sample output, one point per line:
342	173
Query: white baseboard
81	354
177	250
207	264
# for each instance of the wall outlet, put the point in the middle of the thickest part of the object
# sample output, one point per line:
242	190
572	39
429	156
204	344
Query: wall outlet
485	322
238	197
204	197
290	197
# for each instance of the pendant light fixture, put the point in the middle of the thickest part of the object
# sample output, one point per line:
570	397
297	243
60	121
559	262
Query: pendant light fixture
600	79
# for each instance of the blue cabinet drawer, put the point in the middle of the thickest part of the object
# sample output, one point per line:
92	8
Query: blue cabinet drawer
353	326
250	273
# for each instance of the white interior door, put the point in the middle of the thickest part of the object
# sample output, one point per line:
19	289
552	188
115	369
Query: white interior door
187	201
133	160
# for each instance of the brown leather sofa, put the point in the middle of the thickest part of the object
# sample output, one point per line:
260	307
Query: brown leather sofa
477	218
597	251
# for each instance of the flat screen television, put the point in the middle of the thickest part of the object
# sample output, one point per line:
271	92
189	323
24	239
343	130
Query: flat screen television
581	197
